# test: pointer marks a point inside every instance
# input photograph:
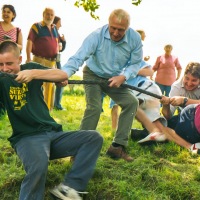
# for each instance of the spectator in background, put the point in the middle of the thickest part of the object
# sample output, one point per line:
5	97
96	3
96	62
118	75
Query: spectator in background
184	91
43	44
9	32
143	36
112	53
62	44
165	67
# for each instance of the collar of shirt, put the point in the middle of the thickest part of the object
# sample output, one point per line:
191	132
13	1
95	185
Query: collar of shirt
43	24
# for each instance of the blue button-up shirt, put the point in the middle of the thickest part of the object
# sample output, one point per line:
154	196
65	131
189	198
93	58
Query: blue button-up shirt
107	58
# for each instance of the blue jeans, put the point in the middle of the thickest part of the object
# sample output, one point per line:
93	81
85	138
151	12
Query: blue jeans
165	89
36	151
58	93
185	127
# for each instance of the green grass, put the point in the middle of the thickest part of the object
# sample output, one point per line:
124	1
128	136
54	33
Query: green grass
159	172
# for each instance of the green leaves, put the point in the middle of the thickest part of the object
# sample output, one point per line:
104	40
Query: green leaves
89	6
136	2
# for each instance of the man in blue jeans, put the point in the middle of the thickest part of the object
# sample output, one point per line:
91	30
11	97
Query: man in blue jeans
112	53
37	137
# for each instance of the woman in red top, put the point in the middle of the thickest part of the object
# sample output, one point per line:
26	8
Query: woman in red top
165	67
7	30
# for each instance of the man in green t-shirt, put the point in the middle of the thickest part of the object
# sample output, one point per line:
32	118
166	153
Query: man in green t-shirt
37	137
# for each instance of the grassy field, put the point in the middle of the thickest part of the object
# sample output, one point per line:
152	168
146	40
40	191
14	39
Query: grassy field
159	171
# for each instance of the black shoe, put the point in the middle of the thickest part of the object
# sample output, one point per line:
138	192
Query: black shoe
59	108
138	134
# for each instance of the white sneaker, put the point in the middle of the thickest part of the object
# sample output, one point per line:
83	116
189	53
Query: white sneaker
66	193
155	136
195	148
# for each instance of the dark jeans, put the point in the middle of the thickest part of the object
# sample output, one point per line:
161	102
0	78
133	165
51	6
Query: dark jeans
165	89
58	93
186	127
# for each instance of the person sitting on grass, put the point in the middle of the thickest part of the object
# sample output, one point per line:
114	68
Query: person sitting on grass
184	91
37	137
187	130
148	113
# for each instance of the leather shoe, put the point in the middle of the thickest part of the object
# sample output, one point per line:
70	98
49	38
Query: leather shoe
118	152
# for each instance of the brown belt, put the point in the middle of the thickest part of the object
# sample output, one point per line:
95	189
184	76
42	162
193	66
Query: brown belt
50	59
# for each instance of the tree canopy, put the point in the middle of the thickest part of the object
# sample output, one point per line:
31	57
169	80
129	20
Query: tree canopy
91	6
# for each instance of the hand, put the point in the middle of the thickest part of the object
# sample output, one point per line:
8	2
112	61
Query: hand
176	100
62	84
24	76
146	58
116	81
62	37
165	100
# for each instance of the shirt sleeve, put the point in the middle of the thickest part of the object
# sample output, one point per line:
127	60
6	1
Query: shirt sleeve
177	64
157	63
33	33
87	48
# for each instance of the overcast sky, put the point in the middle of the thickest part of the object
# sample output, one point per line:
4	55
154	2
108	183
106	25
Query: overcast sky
165	21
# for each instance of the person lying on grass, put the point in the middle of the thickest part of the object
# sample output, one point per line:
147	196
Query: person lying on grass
187	131
148	112
37	137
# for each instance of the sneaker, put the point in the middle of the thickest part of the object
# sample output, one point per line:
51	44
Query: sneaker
66	193
138	134
156	136
118	152
195	148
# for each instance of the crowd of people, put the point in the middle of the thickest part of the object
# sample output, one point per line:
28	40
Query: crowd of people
112	54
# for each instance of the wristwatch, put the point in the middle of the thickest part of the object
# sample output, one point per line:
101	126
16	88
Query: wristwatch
185	100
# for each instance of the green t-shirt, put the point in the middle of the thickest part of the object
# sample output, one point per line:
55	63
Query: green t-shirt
25	105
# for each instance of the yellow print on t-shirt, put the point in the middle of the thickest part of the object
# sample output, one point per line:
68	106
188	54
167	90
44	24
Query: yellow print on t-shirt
18	96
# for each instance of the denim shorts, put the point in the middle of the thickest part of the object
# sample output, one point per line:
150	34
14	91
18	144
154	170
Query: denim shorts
185	127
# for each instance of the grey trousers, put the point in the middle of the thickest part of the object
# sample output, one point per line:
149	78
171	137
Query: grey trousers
122	96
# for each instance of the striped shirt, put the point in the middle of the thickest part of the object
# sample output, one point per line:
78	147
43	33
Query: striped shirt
11	33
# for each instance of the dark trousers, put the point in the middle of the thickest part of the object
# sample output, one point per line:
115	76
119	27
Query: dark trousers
58	93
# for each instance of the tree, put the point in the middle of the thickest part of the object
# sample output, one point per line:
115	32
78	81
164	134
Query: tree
91	6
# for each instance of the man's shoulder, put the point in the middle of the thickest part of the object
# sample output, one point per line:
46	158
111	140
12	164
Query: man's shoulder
131	32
